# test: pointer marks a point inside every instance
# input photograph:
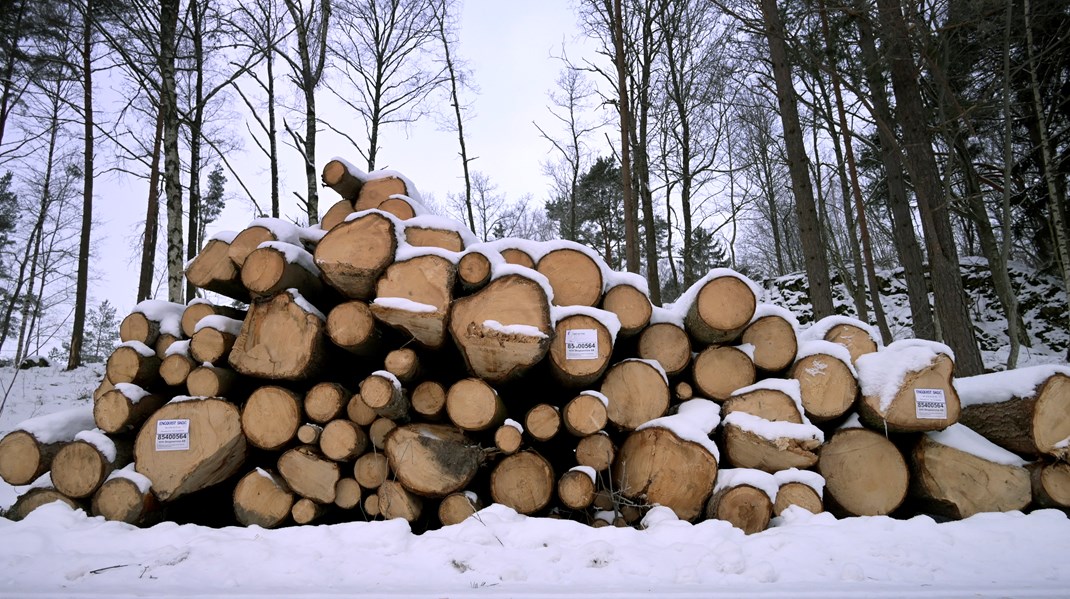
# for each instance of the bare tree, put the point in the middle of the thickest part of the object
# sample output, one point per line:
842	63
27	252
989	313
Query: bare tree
458	78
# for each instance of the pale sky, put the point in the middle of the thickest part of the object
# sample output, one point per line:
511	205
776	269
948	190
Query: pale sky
508	47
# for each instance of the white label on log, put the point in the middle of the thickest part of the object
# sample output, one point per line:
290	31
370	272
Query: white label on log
172	435
930	404
581	344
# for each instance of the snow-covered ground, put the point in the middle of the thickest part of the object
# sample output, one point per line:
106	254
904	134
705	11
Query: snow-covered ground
57	552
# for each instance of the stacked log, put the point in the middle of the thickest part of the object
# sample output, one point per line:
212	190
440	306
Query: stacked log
387	365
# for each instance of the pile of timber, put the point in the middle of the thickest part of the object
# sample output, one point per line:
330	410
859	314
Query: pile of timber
387	365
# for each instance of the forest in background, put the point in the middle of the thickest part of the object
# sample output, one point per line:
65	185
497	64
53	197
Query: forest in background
768	136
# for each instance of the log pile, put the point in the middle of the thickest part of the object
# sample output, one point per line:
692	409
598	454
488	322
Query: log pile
386	365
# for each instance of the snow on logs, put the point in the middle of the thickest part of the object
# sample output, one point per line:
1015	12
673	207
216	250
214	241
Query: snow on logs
390	365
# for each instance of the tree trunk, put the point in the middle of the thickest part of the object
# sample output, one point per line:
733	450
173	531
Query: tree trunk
81	297
171	160
1030	416
575	277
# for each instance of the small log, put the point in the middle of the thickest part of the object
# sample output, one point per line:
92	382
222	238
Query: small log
282	338
213	338
683	391
429	400
722	305
509	437
347	493
772	333
770	401
504	329
217	447
213	381
27	452
402	207
198	308
378	431
275	267
395	501
586	414
163	344
359	412
104	386
827	384
1051	484
306	511
133	362
655	466
326	401
581	349
82	465
543	422
149	319
859	338
800	494
371	506
719	370
523	481
309	433
414	297
865	475
738	501
336	214
124	408
574	274
638	392
957	483
457	507
421	236
378	189
271	417
517	256
404	364
309	474
576	488
754	442
353	255
351	326
383	394
1026	411
923	399
336	175
473	271
596	451
631	305
432	460
473	405
667	343
371	469
35	498
125	496
138	327
259	231
343	440
213	270
262	499
176	366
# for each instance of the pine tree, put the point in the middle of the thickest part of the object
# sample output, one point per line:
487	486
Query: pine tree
101	333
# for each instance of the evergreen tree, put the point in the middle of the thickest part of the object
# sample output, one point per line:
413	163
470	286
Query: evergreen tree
212	202
8	218
101	335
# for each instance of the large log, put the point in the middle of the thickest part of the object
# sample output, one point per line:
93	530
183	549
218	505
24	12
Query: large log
353	255
1051	484
776	400
35	498
351	326
719	306
744	498
371	469
523	481
262	499
575	274
378	187
543	422
309	474
383	393
281	338
772	333
82	465
597	451
177	364
638	392
457	507
26	452
343	440
124	408
473	405
509	437
339	176
271	417
213	270
214	447
126	496
432	460
395	501
213	338
957	473
326	401
133	362
576	488
582	345
906	387
668	343
586	414
438	232
149	319
504	329
429	400
828	383
414	296
214	381
474	270
719	370
1026	410
274	267
336	214
856	336
655	466
627	297
261	230
865	475
404	364
754	442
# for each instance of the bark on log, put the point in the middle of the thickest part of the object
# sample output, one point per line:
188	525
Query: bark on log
376	191
631	306
121	499
383	394
907	411
124	408
429	400
353	255
473	405
865	475
262	499
337	176
343	440
351	326
745	448
585	414
26	452
743	506
721	309
827	386
457	507
1033	424
424	285
637	392
281	339
309	474
213	270
395	501
956	484
432	460
198	308
326	401
500	353
657	467
271	417
575	277
217	447
523	481
774	341
371	469
135	363
35	498
719	370
668	344
269	270
1051	484
581	367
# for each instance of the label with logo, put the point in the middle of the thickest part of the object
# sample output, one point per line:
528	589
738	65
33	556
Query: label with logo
581	344
172	435
930	404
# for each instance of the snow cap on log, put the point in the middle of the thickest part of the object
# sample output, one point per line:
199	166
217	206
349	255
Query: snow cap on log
899	382
693	421
806	477
997	387
765	482
858	337
167	314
